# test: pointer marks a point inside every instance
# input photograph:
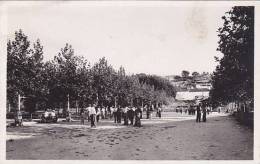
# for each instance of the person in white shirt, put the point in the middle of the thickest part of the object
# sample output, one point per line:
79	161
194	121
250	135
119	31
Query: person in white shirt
92	115
52	113
46	114
103	111
114	111
125	109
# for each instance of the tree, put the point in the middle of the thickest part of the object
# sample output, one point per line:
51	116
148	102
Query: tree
65	68
185	74
18	52
36	96
195	74
233	79
104	77
47	84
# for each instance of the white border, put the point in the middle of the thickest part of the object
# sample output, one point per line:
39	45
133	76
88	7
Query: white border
3	39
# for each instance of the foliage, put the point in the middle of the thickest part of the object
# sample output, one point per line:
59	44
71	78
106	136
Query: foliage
49	84
185	74
233	79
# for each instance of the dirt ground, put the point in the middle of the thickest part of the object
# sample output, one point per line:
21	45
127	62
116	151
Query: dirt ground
172	138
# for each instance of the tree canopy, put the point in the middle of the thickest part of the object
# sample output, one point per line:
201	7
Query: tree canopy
48	84
233	79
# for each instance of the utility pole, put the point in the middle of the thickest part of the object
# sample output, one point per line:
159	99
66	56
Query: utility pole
19	102
76	106
115	101
68	102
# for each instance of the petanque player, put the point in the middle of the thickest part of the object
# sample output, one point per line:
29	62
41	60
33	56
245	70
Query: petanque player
92	115
98	113
160	112
103	112
151	112
119	114
114	111
198	110
82	116
204	113
130	114
147	112
138	117
125	109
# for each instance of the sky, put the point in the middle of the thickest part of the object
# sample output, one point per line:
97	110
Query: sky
152	39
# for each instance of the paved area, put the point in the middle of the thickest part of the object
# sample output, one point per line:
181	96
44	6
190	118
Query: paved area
174	137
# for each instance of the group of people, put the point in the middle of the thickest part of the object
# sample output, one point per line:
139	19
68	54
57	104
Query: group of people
201	109
130	115
149	111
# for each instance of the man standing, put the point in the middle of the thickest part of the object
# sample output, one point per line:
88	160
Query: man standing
204	112
98	113
151	112
125	109
130	115
138	117
92	115
159	112
114	111
142	109
198	113
119	114
147	112
103	112
82	116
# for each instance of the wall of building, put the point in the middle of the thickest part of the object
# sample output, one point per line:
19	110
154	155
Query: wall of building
187	95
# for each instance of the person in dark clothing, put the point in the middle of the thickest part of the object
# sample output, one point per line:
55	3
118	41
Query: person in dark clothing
130	114
193	110
142	109
147	112
159	112
125	109
119	114
198	113
114	112
138	117
92	115
204	113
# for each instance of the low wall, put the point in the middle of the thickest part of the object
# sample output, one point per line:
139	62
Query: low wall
246	118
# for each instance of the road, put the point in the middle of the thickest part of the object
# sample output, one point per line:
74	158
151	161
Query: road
177	137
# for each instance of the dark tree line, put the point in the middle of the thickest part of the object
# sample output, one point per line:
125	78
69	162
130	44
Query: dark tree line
68	76
233	79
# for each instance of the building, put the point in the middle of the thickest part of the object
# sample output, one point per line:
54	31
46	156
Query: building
192	94
203	85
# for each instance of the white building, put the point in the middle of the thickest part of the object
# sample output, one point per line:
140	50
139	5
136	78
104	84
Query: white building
203	86
192	95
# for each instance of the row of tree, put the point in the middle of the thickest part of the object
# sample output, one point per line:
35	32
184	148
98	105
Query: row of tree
233	79
70	77
186	75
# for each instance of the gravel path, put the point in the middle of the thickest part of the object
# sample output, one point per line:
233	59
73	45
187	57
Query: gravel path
220	138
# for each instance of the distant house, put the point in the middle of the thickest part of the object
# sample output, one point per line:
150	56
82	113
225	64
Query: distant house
203	85
192	94
191	88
